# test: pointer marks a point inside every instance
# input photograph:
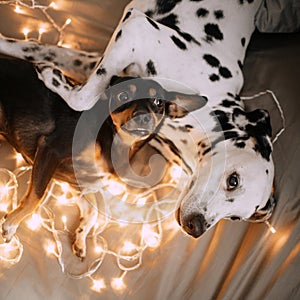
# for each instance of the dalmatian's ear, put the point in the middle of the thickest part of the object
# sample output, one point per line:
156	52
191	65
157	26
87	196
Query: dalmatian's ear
179	105
259	127
263	214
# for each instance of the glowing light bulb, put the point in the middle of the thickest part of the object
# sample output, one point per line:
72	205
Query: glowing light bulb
141	202
115	187
50	248
4	207
18	9
53	5
151	238
271	228
98	285
65	187
34	222
98	249
64	220
68	21
118	284
175	172
19	159
128	247
26	32
3	191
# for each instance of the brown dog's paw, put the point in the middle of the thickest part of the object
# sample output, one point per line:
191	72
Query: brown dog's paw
79	250
8	231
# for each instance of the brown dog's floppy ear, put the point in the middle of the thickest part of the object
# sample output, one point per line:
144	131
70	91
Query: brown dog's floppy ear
179	104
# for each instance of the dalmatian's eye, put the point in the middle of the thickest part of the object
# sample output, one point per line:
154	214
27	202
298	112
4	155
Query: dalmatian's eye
233	181
158	102
123	97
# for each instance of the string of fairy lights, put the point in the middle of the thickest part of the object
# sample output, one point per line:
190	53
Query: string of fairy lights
128	255
21	7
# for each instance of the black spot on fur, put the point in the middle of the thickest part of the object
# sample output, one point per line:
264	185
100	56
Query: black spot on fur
118	35
224	72
55	82
228	135
178	43
213	30
228	103
223	119
206	151
165	6
230	200
128	14
202	12
243	1
151	68
214	77
77	62
240	144
171	126
29	57
267	171
57	73
211	60
243	41
11	41
48	58
149	13
170	21
219	14
189	126
183	141
92	65
152	23
263	147
188	37
172	147
101	71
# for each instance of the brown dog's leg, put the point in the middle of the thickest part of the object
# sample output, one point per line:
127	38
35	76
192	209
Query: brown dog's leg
88	216
45	163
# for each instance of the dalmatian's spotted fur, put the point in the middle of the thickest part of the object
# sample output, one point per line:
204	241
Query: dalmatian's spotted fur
202	45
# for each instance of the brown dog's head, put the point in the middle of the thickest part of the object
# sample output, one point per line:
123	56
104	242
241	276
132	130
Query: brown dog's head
138	106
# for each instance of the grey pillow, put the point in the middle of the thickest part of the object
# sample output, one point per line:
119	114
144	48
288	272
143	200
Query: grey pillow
278	16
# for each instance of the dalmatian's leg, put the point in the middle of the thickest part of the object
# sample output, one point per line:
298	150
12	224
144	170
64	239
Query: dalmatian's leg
127	50
88	215
73	63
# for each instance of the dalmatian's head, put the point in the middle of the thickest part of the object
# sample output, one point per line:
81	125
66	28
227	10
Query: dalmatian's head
138	106
235	176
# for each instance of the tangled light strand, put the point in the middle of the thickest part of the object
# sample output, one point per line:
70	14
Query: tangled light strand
34	5
128	255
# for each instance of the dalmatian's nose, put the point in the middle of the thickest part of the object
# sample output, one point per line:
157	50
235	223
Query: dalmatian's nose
194	225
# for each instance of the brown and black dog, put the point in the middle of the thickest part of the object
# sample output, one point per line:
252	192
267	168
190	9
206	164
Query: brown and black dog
42	127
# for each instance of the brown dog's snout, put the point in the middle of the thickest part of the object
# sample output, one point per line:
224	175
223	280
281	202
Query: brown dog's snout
194	225
142	118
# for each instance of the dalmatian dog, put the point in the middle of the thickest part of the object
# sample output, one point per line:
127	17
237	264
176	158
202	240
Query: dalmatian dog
202	45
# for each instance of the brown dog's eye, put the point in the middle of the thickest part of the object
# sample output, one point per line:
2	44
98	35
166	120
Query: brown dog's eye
158	102
123	96
233	181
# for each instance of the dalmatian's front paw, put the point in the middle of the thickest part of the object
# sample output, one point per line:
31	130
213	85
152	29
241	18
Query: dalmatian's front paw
8	230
